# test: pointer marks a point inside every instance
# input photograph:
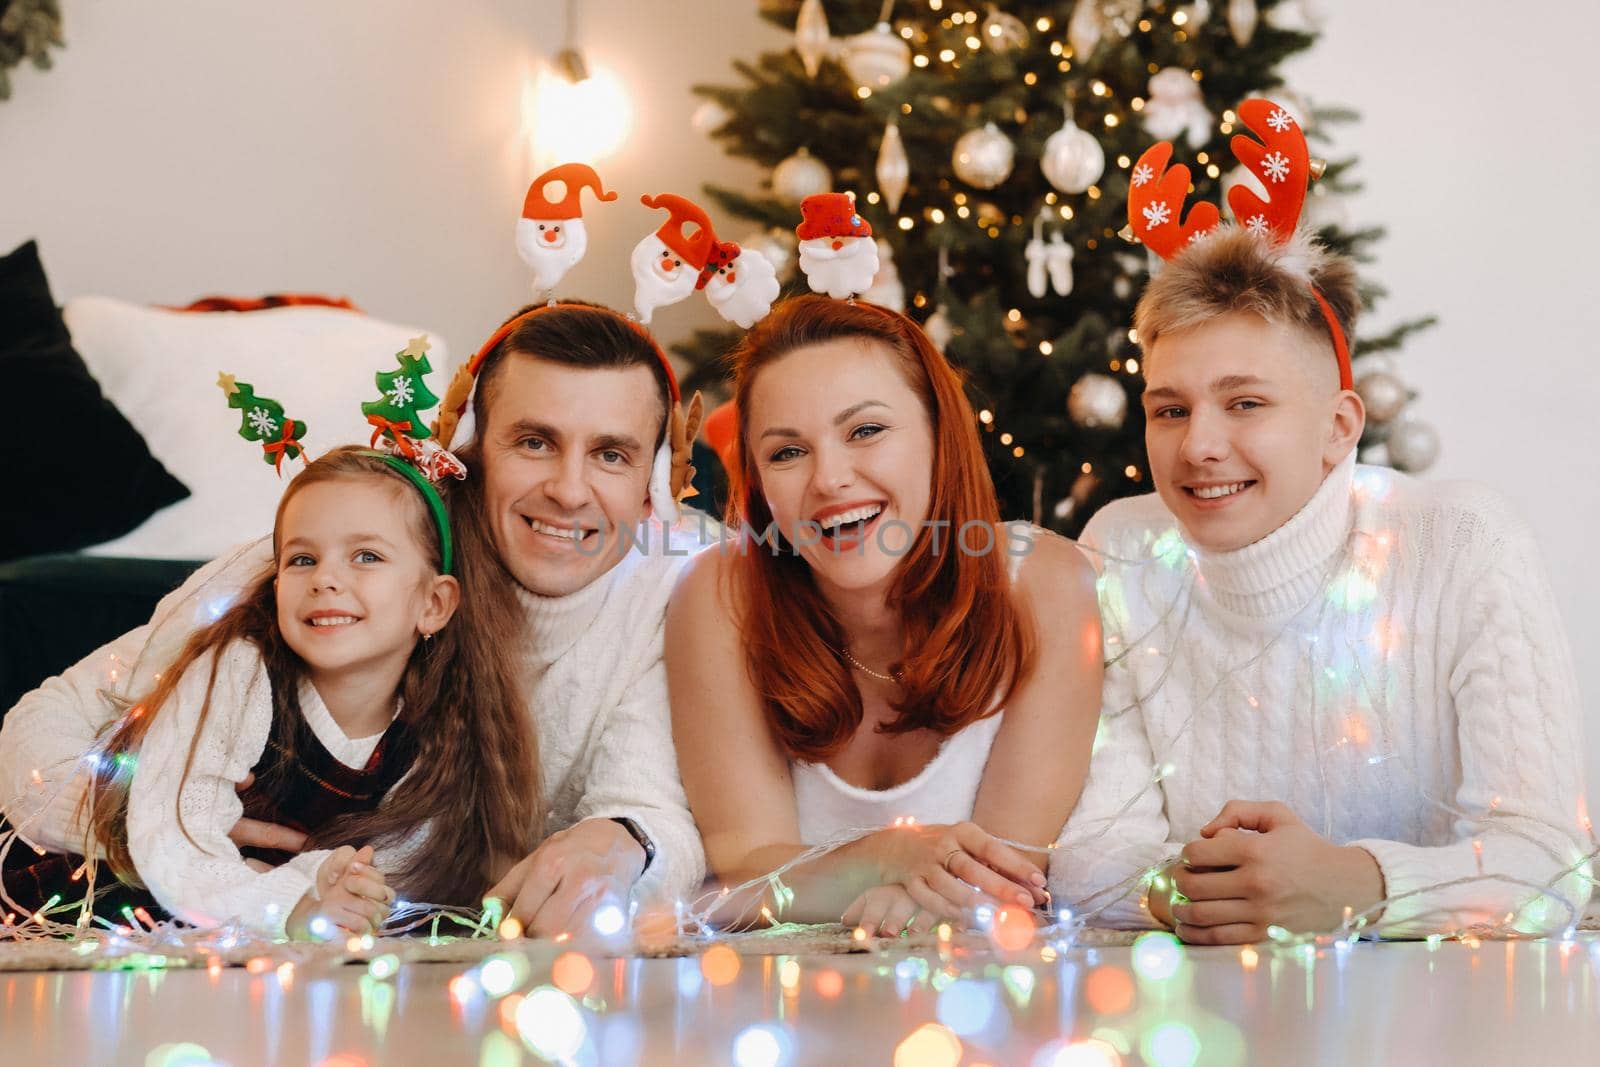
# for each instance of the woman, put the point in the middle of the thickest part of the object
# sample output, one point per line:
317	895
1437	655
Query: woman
876	650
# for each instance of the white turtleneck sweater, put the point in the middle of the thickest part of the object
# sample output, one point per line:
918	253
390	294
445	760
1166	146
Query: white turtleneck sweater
595	685
1389	664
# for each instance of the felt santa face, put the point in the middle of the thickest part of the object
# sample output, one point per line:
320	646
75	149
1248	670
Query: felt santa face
550	234
667	264
741	287
837	252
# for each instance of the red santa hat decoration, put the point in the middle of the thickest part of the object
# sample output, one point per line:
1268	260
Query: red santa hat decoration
550	235
837	252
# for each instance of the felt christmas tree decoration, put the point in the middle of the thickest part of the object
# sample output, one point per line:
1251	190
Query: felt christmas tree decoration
262	419
1279	160
396	416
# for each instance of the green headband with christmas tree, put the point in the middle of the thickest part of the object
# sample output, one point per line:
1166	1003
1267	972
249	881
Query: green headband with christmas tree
400	435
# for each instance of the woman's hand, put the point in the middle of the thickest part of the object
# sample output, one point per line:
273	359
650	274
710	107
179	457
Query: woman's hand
889	911
948	869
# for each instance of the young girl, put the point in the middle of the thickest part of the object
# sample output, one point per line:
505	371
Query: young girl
343	696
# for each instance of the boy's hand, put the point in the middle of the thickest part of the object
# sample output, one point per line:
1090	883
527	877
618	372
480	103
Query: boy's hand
1257	865
354	897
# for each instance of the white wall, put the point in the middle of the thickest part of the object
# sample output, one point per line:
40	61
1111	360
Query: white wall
179	149
1479	156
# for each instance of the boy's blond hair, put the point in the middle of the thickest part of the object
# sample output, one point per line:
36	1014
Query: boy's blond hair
1231	269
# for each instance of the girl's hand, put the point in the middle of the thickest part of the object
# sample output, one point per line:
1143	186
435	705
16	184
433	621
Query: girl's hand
354	897
948	869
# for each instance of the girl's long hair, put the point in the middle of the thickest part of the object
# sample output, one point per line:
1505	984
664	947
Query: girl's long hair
473	786
965	642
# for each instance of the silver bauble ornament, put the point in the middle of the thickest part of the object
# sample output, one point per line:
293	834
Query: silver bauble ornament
811	36
1372	363
893	169
800	176
983	157
777	245
1413	446
1003	31
1097	402
1072	159
876	59
1383	395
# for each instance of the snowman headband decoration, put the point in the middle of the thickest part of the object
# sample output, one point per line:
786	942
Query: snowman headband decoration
1279	159
400	437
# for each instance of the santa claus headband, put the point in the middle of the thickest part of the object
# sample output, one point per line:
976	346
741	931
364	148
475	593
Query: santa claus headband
406	443
1156	196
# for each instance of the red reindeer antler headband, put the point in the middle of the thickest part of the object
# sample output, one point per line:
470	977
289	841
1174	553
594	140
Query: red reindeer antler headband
1156	196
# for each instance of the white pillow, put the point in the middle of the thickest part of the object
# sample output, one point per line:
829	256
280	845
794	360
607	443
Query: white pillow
160	369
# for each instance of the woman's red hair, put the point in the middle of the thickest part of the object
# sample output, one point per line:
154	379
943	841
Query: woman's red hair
966	644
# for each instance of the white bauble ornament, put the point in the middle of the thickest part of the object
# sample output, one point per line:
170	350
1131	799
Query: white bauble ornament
893	169
1197	12
800	176
983	157
1372	363
1176	106
1003	31
886	288
1072	159
1324	210
1121	16
1382	394
939	328
811	37
1413	446
1085	29
709	116
876	59
777	246
1097	402
1242	17
1299	16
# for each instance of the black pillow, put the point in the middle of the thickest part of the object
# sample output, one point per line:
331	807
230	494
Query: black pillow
80	473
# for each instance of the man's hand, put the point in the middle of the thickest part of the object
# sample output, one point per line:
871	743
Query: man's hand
252	833
1258	865
557	887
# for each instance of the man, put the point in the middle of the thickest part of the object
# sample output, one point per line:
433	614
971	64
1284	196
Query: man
573	406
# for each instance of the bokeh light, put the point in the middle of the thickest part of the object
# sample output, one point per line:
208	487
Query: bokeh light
1109	990
551	1024
1157	956
763	1045
929	1045
967	1006
572	973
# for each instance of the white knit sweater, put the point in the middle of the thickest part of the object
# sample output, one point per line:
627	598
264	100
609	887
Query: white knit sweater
1389	664
595	684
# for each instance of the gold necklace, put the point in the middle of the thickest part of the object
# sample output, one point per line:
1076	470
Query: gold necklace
864	669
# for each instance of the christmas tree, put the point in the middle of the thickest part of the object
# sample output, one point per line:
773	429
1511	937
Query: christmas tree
398	412
992	151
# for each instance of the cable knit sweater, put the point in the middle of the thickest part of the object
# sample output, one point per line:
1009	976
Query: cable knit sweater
1389	664
595	684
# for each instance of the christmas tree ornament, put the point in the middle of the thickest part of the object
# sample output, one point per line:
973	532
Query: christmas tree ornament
801	175
1373	363
886	287
778	246
1097	402
1037	254
876	59
1072	159
1121	15
983	157
1059	260
1242	17
709	116
1413	445
939	328
262	419
1085	29
1197	13
811	37
1176	106
1298	16
1003	32
550	234
1383	395
740	284
837	253
893	169
667	264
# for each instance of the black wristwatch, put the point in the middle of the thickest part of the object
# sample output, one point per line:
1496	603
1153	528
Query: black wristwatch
636	832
